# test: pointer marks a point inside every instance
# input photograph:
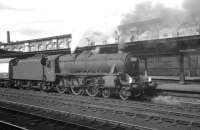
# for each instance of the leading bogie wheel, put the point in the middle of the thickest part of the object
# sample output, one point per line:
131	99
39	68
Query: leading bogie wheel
138	93
18	84
106	93
44	87
124	94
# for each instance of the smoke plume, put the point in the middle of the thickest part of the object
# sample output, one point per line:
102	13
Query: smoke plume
192	7
149	20
91	37
146	11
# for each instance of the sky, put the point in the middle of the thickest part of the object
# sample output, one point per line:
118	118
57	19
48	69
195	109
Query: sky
30	19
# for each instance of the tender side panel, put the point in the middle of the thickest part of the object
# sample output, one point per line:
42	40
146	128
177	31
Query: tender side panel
28	69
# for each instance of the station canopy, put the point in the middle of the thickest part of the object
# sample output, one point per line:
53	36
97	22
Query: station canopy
5	53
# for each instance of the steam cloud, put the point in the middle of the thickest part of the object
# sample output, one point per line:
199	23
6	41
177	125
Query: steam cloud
146	11
159	17
192	7
93	37
151	19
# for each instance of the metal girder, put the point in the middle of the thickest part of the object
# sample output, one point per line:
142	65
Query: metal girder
158	47
12	54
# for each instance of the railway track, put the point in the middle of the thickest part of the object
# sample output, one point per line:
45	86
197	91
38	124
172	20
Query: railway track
41	114
14	118
180	94
145	112
10	126
183	106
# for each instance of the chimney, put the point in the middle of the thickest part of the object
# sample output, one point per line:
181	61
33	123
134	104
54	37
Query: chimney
8	36
122	47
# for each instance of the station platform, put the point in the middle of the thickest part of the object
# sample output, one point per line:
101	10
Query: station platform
179	87
175	78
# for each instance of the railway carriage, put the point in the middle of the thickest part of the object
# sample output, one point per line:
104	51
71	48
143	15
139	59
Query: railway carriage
4	71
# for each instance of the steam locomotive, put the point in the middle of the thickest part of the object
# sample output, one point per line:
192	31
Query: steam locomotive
88	73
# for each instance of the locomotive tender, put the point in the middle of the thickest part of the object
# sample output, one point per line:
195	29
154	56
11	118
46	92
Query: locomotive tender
88	73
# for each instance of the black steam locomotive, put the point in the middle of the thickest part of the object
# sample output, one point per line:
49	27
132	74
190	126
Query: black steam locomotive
88	73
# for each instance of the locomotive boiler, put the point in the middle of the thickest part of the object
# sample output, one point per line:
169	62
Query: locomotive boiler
88	73
100	73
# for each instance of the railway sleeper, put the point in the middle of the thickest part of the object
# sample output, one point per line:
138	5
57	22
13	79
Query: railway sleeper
168	120
183	122
142	116
196	124
177	114
108	125
178	121
173	121
130	114
119	112
184	115
91	121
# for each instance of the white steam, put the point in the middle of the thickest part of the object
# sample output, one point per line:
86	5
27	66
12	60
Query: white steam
75	39
166	100
155	21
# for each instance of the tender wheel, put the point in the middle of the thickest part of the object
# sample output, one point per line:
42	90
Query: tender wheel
75	87
18	84
44	87
106	93
60	87
6	85
92	90
28	85
124	94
